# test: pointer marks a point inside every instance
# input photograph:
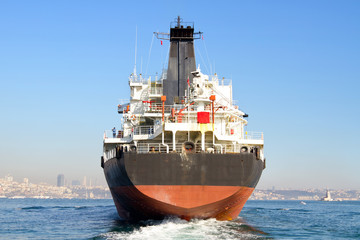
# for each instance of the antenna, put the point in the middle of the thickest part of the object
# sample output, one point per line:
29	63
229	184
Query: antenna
135	50
178	21
214	67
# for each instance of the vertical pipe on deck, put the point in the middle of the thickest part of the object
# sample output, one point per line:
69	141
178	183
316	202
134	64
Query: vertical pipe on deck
212	99
174	141
163	99
202	140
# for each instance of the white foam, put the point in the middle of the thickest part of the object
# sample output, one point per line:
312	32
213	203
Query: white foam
181	229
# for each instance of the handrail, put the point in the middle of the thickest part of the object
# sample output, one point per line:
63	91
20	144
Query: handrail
221	95
138	130
162	147
253	135
153	129
145	79
146	147
163	143
156	90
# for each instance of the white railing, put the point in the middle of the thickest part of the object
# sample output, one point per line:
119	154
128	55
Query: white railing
158	147
253	135
157	107
110	134
146	130
139	130
151	147
156	90
225	82
152	129
209	147
139	79
145	79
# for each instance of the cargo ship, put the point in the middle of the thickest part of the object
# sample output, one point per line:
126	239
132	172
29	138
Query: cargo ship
183	149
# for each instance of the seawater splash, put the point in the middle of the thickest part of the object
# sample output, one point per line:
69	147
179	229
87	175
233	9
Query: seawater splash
98	219
175	228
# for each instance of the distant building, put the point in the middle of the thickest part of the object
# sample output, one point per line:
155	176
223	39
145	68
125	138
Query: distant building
26	181
327	198
60	180
75	183
9	178
84	181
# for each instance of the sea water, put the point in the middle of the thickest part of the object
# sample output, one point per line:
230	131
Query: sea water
98	219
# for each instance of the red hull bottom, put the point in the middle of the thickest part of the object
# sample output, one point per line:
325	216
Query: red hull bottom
186	202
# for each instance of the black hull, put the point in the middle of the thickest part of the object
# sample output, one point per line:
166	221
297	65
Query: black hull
135	180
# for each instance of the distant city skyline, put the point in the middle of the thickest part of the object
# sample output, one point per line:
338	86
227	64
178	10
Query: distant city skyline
60	180
294	66
75	183
27	181
10	188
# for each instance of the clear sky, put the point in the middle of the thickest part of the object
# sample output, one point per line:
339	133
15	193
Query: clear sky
295	67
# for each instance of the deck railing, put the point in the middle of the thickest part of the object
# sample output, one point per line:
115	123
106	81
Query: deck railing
151	147
156	90
139	130
144	148
145	79
209	148
253	135
152	129
145	130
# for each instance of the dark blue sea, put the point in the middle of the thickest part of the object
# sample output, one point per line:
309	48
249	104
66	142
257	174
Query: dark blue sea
98	219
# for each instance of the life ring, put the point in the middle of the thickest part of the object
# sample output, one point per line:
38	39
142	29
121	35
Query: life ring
133	117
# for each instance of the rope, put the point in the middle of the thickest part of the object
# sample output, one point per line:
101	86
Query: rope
147	65
203	60
207	55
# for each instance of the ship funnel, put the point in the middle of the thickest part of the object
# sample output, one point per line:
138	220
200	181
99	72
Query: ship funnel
181	60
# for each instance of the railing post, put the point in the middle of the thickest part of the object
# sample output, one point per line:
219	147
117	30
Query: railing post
174	137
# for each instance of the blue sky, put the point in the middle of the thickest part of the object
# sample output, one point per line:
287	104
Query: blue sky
295	67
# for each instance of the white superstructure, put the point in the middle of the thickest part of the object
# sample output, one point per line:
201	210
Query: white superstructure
205	116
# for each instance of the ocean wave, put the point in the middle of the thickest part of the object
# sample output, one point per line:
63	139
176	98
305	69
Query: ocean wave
175	228
63	207
32	208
